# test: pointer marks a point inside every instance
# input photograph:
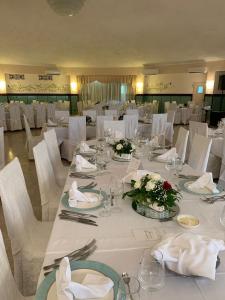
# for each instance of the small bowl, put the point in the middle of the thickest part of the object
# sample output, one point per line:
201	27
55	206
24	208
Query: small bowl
188	221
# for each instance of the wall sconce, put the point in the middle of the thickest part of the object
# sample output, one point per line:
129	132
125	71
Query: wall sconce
73	87
139	87
209	85
2	86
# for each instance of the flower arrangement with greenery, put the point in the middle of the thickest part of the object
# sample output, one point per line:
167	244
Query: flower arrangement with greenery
123	147
152	191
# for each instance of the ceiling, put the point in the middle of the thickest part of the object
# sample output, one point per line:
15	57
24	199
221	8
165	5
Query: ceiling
112	33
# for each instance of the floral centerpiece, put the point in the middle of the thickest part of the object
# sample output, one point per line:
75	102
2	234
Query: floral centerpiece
153	197
123	148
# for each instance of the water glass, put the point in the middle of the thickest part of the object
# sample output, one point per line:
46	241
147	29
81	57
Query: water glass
222	217
128	291
105	212
151	272
116	193
100	162
178	166
170	164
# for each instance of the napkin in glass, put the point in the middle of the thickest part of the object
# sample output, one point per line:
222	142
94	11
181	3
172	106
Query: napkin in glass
205	181
93	286
76	196
190	254
81	163
170	154
85	148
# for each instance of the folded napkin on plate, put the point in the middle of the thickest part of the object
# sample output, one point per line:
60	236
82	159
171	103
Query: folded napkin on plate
137	175
50	123
85	148
93	286
190	254
154	142
81	163
76	196
170	154
205	181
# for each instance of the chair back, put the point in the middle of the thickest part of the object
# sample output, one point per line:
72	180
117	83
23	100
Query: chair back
2	117
181	143
131	125
62	115
14	117
39	115
77	130
199	154
158	124
2	148
112	112
132	111
166	106
117	128
171	116
100	125
27	128
91	113
51	112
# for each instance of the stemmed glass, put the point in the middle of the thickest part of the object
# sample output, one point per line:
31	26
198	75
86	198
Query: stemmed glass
116	192
105	212
178	166
170	164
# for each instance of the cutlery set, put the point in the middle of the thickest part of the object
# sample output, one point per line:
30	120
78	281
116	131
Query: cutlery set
77	217
213	199
190	177
81	175
78	254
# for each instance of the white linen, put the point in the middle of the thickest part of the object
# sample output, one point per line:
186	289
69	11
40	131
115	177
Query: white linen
2	148
190	254
100	125
50	123
131	125
170	154
91	113
14	121
181	143
81	163
85	148
117	128
135	175
154	142
205	181
76	196
2	117
93	286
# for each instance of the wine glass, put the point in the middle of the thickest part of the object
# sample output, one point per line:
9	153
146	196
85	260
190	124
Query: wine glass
151	272
116	192
128	288
170	164
105	212
178	166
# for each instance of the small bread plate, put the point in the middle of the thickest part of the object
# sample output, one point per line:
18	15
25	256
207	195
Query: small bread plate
188	221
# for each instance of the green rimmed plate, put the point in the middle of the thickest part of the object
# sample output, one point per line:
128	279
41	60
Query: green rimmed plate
91	205
44	287
120	159
183	184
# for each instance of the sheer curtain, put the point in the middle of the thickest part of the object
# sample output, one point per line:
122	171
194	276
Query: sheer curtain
106	87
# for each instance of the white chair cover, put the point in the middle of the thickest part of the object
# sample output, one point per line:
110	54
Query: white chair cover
51	112
166	106
199	155
173	106
181	143
112	112
2	117
185	115
59	169
132	111
115	126
14	121
159	126
177	119
2	148
131	125
170	116
28	236
79	107
196	128
28	111
196	114
100	125
31	140
76	134
39	115
91	113
49	190
62	115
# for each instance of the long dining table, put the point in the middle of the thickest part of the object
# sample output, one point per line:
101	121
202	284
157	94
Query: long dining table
122	237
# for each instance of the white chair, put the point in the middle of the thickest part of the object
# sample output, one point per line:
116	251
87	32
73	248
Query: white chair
100	125
199	155
166	106
117	128
51	112
131	125
31	140
79	107
173	106
8	288
171	116
185	115
112	112
132	111
91	113
14	121
181	143
76	134
2	148
196	128
49	190
62	115
59	169
28	236
28	111
196	114
39	115
2	117
159	126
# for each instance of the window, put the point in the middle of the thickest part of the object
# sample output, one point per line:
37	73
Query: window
123	91
200	89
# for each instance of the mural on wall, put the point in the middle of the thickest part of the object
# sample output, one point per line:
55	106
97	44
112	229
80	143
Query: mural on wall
34	84
177	83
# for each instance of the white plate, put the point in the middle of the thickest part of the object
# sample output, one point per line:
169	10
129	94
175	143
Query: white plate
188	221
89	205
79	275
202	191
116	158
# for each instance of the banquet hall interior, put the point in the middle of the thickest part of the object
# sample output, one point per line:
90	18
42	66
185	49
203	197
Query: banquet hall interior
112	150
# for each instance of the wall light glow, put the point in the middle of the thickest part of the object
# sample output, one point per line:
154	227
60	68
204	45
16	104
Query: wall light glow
209	85
73	86
139	87
2	86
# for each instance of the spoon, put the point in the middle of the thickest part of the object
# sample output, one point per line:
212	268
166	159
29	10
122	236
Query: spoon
126	279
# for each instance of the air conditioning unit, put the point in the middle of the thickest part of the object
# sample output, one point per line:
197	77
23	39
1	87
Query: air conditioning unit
52	72
150	71
202	70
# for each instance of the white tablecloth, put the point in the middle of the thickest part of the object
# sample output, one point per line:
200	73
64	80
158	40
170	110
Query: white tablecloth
122	237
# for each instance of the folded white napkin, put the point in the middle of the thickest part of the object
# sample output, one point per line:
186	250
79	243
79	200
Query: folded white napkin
93	286
76	196
81	163
190	254
85	148
170	154
205	181
50	123
154	142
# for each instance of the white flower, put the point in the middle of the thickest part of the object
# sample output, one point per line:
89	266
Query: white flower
132	146
155	176
149	186
119	147
137	184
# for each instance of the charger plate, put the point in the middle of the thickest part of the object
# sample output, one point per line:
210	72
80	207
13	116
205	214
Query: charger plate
183	184
46	284
121	159
87	205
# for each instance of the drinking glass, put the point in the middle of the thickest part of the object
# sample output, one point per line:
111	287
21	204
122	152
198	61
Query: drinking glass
105	212
151	272
128	291
116	192
178	166
100	162
170	164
